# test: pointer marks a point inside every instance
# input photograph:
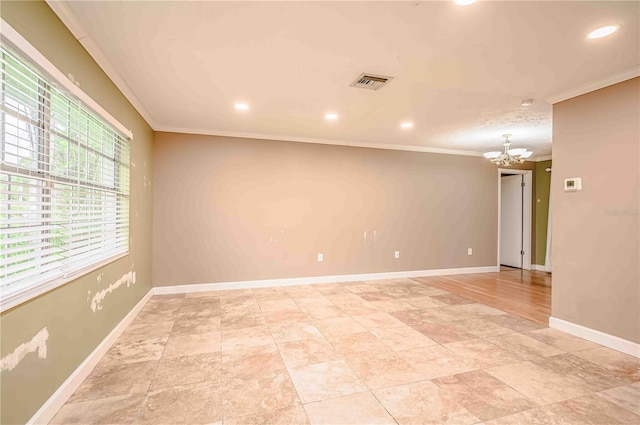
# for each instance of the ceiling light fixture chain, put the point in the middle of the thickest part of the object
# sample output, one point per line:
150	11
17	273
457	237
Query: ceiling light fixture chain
509	156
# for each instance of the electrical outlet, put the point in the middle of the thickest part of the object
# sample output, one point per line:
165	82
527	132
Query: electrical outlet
320	257
470	251
397	254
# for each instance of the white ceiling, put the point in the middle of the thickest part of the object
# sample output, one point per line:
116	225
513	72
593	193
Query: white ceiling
460	73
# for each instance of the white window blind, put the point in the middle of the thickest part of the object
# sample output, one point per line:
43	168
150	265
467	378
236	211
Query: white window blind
64	181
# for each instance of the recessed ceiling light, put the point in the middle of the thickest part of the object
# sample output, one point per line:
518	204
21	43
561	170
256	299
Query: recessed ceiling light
241	106
406	124
527	102
331	116
464	2
604	31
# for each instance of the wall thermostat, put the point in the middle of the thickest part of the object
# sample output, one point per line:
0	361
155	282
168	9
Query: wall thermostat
572	184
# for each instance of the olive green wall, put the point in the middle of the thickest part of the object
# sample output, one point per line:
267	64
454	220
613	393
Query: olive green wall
74	329
543	186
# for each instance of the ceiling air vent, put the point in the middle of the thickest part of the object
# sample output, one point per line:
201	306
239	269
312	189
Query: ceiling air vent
370	81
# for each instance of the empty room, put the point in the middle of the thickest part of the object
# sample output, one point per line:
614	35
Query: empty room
320	212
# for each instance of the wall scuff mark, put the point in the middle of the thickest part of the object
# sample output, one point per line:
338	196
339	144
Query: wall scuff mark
96	302
38	343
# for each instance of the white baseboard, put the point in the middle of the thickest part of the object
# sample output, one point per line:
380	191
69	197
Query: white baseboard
49	409
267	283
540	267
608	340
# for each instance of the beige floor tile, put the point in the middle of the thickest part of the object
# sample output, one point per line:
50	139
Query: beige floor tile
453	299
578	411
627	396
342	325
425	302
156	316
281	306
595	411
620	363
483	395
261	393
545	415
185	370
294	331
524	346
379	320
146	331
114	380
321	312
246	337
194	311
444	333
362	342
241	320
360	288
480	309
287	416
197	325
356	409
325	380
392	305
187	345
436	361
278	318
515	323
402	338
483	353
541	385
413	317
112	410
383	370
375	296
344	299
595	377
311	301
561	340
481	326
423	403
431	291
306	352
361	308
189	404
249	362
123	352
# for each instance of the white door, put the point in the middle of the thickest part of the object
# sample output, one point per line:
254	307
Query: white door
511	221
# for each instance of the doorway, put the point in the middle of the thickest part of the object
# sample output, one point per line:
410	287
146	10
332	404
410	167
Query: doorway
514	218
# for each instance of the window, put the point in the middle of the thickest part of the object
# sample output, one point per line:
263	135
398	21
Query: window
64	182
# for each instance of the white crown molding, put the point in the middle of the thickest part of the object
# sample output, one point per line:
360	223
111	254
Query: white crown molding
70	20
285	138
50	407
542	158
602	338
619	77
269	283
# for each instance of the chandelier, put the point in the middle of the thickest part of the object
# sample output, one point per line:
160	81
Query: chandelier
509	156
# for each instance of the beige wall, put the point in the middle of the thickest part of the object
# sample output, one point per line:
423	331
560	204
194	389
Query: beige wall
230	209
74	329
596	231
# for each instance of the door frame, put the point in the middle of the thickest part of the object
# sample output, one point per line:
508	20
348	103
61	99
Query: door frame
527	213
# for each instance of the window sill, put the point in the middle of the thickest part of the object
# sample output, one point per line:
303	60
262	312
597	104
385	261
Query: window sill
22	295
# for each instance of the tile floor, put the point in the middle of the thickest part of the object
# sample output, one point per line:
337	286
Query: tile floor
377	352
